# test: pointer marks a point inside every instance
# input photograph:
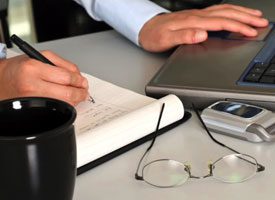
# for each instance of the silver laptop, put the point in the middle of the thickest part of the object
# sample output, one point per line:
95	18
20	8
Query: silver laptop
227	66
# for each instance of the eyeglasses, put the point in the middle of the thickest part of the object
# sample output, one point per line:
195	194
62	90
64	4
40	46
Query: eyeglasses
165	173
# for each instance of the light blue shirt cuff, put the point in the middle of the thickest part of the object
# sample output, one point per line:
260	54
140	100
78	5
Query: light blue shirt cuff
125	16
3	51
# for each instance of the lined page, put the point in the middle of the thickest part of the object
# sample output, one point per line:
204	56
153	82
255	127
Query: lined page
111	102
118	118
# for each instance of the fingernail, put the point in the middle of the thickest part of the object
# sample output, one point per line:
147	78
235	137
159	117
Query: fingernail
258	12
87	97
200	36
265	21
85	83
253	31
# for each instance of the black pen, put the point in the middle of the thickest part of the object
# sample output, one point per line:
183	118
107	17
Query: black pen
33	53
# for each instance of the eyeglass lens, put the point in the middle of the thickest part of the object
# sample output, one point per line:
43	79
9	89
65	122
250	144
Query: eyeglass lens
165	173
234	168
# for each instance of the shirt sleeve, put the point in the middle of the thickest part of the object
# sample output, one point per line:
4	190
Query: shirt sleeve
3	51
125	16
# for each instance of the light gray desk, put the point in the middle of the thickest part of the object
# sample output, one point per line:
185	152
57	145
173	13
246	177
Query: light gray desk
110	57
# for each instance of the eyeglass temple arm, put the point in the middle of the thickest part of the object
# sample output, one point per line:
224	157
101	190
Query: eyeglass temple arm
259	166
208	132
138	177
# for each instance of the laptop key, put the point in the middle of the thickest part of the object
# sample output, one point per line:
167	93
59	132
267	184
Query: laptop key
270	71
258	70
261	65
252	77
267	79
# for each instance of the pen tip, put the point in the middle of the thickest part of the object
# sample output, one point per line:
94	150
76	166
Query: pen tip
92	99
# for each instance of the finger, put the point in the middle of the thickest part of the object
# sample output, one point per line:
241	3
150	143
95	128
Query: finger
187	36
61	76
241	17
217	24
60	62
69	94
236	7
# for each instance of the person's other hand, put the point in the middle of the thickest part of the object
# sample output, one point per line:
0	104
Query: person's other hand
168	30
21	76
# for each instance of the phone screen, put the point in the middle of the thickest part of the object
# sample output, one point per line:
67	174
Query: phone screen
237	109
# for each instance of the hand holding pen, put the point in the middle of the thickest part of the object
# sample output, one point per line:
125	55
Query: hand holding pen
38	79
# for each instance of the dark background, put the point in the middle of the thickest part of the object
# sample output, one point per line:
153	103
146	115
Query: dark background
54	19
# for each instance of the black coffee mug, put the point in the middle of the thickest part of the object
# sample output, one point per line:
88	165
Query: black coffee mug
37	149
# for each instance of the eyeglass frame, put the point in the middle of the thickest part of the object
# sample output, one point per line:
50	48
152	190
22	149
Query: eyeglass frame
260	167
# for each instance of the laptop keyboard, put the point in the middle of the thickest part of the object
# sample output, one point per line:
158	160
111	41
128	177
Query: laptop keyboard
262	73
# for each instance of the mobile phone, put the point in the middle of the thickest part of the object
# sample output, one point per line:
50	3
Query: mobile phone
240	120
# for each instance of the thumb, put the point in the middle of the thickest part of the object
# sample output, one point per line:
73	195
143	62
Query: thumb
188	36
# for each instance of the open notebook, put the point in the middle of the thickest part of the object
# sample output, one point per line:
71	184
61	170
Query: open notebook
117	118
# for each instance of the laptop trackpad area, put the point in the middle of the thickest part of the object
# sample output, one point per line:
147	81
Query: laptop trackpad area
262	34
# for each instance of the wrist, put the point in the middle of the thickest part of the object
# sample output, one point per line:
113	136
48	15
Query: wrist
151	32
145	28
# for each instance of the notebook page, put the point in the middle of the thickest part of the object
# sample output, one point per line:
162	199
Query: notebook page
128	128
110	124
111	102
12	53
